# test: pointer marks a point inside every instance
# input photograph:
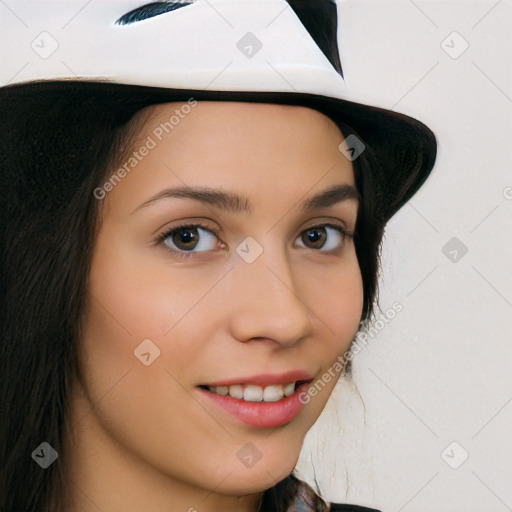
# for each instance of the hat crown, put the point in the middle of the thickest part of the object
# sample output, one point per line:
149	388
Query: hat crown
225	45
320	18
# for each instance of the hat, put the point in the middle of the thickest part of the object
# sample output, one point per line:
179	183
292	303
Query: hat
266	51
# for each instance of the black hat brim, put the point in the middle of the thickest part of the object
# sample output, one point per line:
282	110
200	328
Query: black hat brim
403	148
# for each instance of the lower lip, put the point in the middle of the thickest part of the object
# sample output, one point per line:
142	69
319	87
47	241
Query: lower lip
260	414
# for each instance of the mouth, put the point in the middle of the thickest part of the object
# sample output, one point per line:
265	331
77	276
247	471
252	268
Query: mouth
255	393
261	402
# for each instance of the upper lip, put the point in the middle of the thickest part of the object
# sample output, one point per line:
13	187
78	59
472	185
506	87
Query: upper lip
265	379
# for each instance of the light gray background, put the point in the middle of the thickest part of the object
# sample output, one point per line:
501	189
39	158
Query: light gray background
440	371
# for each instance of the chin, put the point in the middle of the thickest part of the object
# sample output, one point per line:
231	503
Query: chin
259	475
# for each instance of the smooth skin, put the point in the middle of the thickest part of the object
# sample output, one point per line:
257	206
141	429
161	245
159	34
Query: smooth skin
145	437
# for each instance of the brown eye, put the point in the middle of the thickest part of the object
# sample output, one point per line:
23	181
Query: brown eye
315	236
185	238
328	237
191	238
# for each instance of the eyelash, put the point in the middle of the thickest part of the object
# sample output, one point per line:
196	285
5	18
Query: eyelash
188	254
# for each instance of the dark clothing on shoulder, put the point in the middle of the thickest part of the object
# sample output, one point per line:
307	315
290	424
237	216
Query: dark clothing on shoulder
294	495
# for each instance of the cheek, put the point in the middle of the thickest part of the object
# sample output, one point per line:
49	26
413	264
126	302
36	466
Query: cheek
130	301
336	298
126	298
335	295
134	294
344	302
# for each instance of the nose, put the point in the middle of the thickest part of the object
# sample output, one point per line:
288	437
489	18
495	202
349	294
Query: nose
266	303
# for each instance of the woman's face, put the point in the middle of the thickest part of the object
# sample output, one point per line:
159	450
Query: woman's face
250	295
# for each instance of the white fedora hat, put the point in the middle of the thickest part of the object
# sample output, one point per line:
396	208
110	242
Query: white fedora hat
226	50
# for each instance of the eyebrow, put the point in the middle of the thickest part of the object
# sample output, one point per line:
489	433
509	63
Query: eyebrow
236	203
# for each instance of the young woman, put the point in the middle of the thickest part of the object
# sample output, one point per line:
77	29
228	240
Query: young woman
187	254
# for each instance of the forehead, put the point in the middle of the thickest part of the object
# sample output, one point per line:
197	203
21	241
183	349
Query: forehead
242	115
234	130
275	153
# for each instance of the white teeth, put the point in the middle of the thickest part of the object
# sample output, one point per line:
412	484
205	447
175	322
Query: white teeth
222	390
236	391
289	389
273	393
253	393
